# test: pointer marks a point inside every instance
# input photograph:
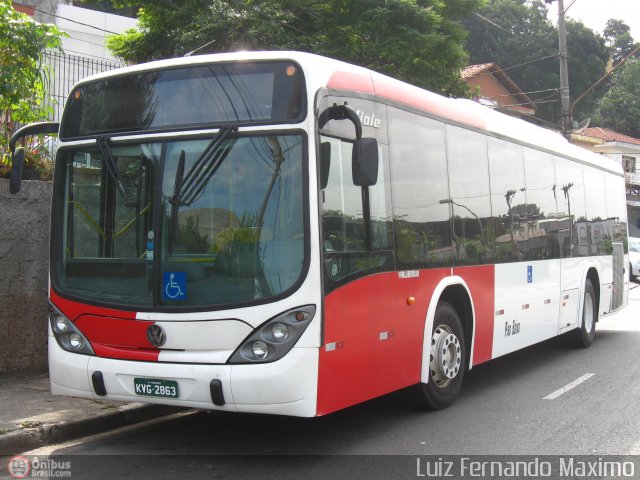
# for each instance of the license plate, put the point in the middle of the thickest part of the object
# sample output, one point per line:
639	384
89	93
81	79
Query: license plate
152	387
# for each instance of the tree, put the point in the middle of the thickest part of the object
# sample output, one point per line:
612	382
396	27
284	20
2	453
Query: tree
419	41
619	108
517	35
588	58
22	76
617	34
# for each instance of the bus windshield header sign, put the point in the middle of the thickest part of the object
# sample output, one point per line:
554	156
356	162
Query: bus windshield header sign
197	96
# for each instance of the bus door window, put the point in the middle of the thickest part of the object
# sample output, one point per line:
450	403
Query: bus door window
344	233
616	210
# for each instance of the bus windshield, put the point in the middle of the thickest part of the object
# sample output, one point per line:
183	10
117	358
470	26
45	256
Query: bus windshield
226	227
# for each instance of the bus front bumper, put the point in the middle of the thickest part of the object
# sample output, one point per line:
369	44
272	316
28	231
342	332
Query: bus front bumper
285	387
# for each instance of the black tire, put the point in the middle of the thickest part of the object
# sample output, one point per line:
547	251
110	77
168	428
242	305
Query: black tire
583	336
445	380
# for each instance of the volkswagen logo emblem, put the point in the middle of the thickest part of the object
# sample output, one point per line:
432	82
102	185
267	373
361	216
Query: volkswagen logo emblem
156	335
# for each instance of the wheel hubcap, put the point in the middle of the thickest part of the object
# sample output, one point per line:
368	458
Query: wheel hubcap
587	313
446	356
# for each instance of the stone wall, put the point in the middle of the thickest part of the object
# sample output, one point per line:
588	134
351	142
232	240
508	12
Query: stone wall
24	273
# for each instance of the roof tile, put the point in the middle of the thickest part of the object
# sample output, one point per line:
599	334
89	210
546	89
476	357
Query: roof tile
610	135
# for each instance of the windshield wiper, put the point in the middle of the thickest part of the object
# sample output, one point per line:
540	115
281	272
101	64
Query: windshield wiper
187	189
112	168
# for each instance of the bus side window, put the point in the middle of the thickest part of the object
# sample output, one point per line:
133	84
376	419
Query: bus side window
419	182
470	196
542	220
571	208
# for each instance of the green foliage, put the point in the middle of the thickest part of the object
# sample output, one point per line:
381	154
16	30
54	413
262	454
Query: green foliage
517	33
22	42
619	108
619	40
588	58
22	76
419	41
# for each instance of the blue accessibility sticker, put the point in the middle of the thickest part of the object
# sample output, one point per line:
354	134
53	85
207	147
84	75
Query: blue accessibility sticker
174	286
529	273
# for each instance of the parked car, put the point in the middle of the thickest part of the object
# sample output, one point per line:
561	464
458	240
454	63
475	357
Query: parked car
634	257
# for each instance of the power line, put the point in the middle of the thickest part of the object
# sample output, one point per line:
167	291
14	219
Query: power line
525	93
87	41
525	104
516	66
75	21
83	54
491	22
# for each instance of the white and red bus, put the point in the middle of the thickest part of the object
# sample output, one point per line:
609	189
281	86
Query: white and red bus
279	232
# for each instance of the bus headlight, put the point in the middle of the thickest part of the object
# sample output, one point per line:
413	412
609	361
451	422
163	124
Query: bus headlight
273	339
61	324
67	335
259	350
280	332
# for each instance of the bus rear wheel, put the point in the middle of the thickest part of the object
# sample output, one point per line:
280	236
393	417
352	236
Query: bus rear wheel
582	336
447	357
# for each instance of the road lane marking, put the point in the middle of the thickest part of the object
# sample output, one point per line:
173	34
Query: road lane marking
568	387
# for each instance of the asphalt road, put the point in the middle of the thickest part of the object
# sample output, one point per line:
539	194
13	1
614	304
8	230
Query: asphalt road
520	404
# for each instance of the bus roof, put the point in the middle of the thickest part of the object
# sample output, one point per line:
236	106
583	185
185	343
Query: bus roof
323	72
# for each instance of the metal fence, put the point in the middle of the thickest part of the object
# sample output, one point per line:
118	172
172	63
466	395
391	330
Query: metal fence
64	70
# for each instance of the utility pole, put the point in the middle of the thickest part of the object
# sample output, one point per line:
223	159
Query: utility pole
565	104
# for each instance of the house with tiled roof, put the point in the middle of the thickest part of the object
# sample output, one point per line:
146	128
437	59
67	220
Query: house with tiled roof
496	89
624	149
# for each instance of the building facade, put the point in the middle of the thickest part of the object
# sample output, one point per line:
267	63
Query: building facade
83	51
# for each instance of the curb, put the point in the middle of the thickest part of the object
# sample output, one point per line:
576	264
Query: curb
26	439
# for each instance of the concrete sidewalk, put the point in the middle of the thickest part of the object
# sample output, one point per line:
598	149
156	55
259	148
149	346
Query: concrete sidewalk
30	417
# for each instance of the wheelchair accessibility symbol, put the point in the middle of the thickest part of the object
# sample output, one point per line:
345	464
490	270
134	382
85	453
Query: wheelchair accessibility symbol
174	285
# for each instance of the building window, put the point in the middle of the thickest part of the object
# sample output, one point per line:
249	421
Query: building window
629	164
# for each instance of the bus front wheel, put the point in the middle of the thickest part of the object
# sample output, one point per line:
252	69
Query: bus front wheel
447	357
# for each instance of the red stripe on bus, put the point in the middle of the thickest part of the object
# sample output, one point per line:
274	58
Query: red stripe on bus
116	332
357	366
112	333
481	283
351	81
107	351
118	338
405	94
72	310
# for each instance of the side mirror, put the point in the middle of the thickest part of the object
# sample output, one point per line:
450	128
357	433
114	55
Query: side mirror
17	156
364	162
325	164
17	165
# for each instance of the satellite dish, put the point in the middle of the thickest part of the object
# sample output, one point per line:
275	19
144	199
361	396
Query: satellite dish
582	126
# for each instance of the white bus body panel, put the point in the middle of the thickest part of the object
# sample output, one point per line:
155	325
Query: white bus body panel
285	387
526	312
